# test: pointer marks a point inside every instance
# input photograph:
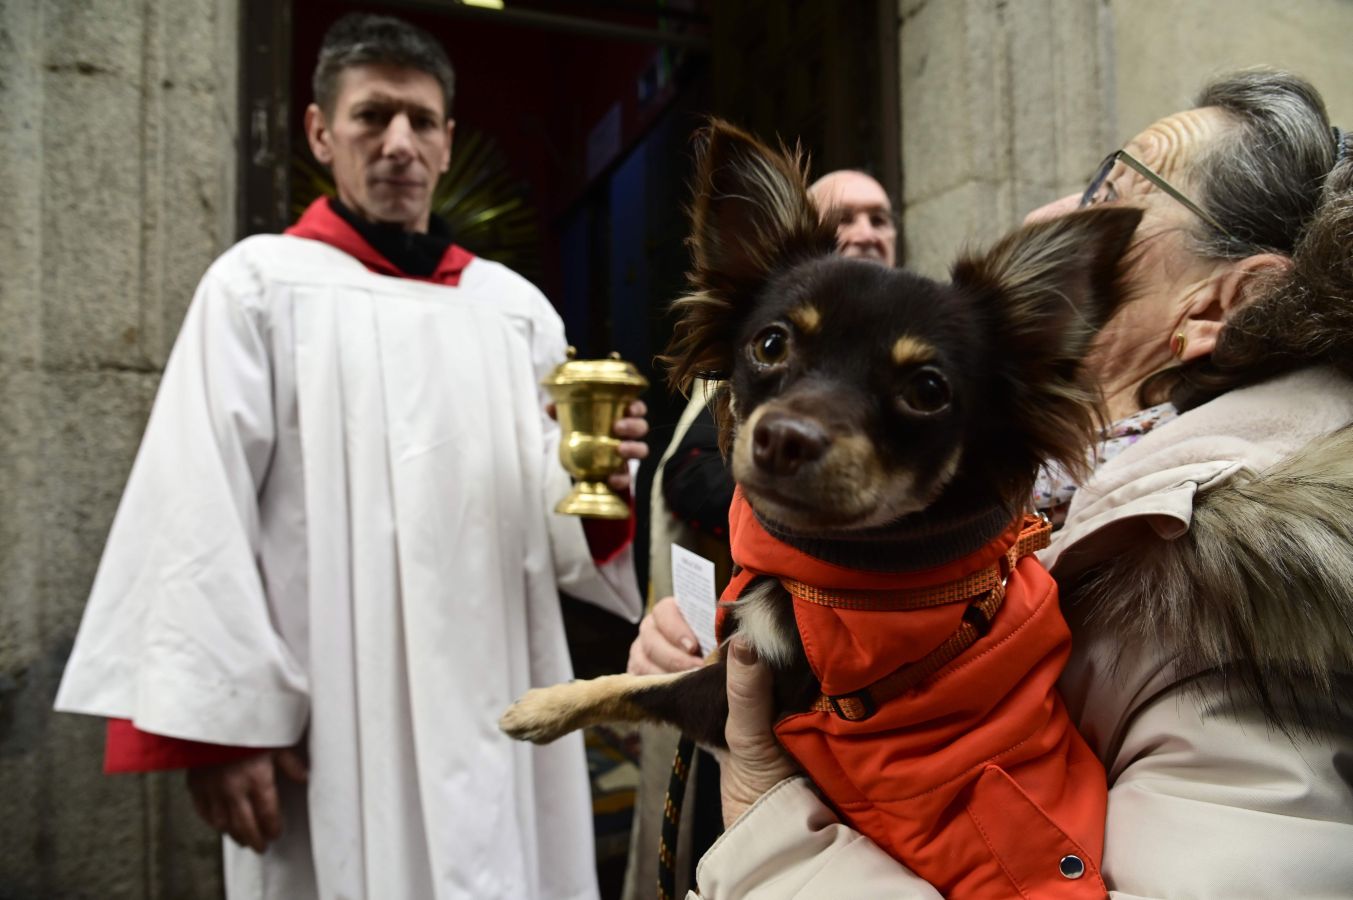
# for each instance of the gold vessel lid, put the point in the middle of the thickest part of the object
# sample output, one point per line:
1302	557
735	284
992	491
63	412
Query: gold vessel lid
612	370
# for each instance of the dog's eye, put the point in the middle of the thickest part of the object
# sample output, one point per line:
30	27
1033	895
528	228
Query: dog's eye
926	392
771	346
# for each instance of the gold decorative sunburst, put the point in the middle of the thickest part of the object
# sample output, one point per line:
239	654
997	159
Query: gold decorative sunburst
489	209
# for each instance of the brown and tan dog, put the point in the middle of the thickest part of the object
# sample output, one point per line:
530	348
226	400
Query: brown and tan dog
885	430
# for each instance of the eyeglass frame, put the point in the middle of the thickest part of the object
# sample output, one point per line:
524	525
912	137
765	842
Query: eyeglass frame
1142	169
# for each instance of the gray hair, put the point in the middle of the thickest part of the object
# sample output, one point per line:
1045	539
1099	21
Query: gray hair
1279	180
1262	179
1303	318
360	39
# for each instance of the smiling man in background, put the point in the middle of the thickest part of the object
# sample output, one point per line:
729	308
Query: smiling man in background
335	562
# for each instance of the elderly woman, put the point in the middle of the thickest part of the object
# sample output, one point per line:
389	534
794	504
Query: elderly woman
1206	568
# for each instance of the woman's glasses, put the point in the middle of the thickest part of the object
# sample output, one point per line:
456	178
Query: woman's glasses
1101	190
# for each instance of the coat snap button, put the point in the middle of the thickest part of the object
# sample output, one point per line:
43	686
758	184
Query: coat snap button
1071	866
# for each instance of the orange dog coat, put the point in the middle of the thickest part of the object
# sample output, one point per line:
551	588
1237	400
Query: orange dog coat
972	776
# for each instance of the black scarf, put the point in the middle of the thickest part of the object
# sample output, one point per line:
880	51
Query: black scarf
414	253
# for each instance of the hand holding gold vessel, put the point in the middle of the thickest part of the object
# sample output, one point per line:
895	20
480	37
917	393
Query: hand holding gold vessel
596	407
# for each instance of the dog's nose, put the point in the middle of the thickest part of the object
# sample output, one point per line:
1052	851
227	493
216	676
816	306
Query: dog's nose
781	443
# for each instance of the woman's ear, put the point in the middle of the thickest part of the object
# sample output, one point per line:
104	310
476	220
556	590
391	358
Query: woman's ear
1236	285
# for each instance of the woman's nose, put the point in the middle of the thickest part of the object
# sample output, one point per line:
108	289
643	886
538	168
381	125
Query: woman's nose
1059	207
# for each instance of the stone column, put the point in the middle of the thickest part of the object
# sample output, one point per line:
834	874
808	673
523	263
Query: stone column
118	127
1006	104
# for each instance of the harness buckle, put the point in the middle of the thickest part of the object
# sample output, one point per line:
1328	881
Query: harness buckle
854	707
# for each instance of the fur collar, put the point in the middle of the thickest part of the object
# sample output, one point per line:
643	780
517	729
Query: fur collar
1260	585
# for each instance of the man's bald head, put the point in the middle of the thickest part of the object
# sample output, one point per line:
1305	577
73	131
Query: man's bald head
859	207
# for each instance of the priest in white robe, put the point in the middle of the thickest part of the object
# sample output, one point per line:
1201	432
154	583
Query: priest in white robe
336	548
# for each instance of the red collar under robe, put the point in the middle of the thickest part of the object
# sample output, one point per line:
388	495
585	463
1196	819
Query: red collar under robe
320	222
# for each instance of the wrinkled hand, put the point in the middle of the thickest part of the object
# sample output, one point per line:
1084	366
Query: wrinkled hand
240	797
754	762
632	429
665	642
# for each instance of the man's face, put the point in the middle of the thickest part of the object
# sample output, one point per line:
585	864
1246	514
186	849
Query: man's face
388	141
859	207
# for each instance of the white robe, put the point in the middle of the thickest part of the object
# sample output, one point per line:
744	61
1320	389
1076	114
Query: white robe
339	529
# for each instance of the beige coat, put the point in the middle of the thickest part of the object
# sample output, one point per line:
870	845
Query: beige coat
1207	574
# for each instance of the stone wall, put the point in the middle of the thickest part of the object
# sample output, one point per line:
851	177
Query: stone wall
1007	104
117	132
1167	50
1002	104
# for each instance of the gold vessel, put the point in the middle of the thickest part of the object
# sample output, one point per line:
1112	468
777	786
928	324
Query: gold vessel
589	396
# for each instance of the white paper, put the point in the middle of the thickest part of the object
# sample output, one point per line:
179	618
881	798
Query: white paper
693	585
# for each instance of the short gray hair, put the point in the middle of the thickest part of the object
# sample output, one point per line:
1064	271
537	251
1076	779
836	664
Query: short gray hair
1262	179
360	39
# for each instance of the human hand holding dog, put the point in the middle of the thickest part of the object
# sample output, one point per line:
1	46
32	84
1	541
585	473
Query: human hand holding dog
754	762
240	797
665	643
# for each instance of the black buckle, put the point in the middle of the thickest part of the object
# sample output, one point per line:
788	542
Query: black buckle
974	616
865	702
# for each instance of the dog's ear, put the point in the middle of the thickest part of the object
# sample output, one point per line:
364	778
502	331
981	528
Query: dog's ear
749	211
750	215
1050	287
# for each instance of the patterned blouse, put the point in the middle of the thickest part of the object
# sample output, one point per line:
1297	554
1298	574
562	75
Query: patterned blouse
1054	488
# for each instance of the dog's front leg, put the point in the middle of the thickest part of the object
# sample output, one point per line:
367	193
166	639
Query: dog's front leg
695	702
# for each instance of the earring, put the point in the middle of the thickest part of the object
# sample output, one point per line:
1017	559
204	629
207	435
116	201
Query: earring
1177	345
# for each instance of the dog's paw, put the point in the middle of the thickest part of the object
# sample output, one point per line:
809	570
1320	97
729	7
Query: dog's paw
538	716
545	714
